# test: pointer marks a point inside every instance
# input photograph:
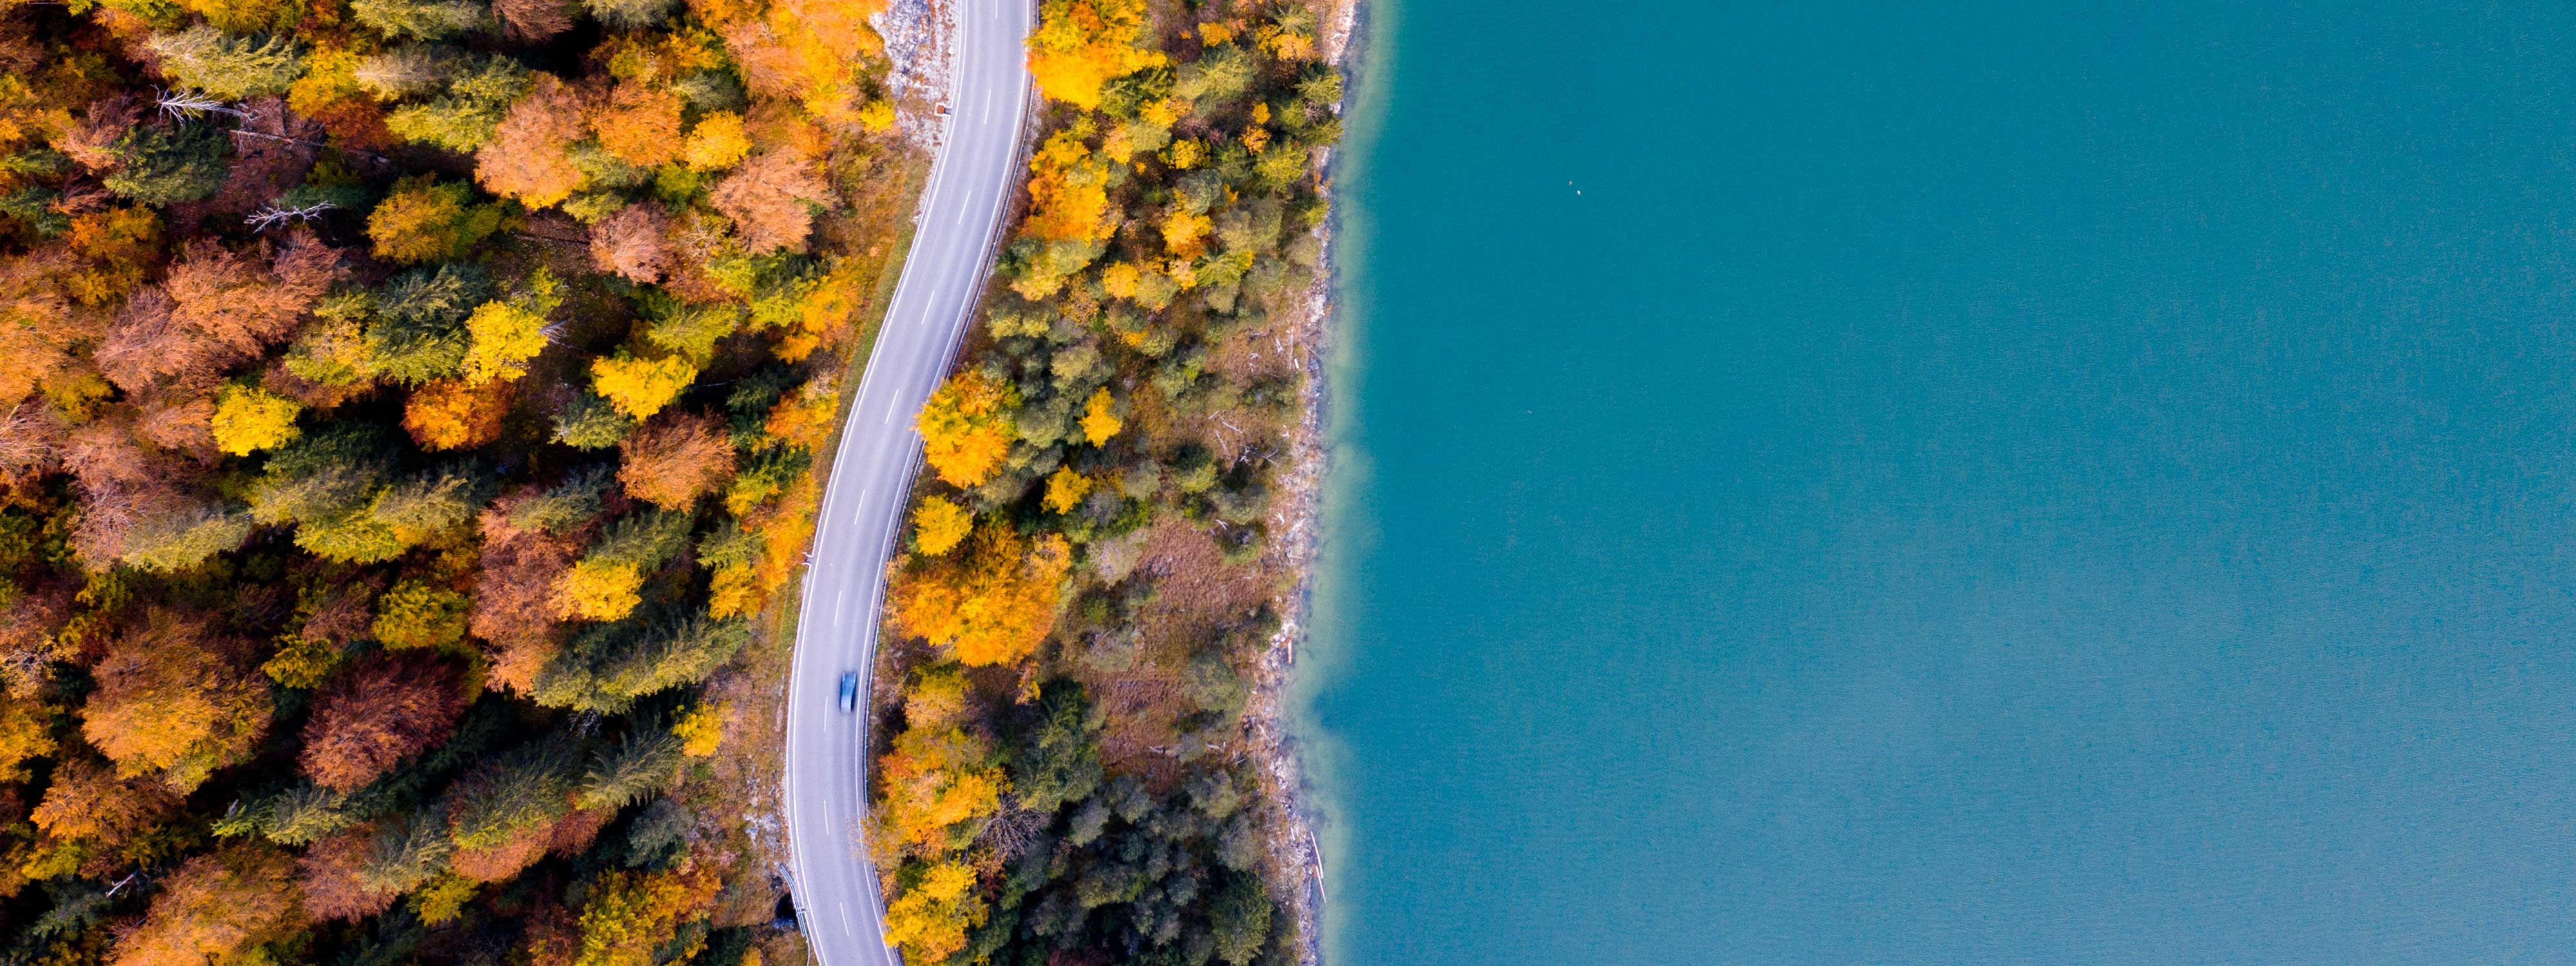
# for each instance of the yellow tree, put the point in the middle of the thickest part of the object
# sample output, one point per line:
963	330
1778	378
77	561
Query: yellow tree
599	590
1100	417
1068	193
26	734
1185	233
641	387
992	605
966	428
717	142
939	784
631	914
504	337
423	220
507	334
701	730
1065	490
1080	44
939	526
929	921
415	614
248	420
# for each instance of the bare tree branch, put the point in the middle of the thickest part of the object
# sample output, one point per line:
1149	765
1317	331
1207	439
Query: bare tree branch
271	216
191	105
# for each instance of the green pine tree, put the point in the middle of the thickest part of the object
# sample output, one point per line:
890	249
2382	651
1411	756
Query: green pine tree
226	65
161	164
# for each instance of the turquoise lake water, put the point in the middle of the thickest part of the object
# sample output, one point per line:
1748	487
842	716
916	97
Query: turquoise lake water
1959	484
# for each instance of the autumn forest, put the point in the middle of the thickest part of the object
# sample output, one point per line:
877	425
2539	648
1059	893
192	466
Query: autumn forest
1077	751
410	424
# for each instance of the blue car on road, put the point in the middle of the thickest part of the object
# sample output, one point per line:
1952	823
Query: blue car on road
849	691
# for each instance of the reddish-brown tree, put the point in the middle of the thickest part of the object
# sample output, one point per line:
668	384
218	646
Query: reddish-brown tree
172	698
343	618
374	715
356	124
577	829
279	379
496	863
179	419
147	345
634	242
243	305
534	20
334	887
514	606
28	642
88	801
110	518
640	123
529	156
673	460
103	453
770	200
92	141
553	936
123	487
38	324
31	440
217	308
216	906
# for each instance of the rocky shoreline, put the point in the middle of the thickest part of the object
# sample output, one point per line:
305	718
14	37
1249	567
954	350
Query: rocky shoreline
1295	846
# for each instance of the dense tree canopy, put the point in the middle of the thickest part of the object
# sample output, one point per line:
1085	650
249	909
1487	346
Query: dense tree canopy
1089	584
408	419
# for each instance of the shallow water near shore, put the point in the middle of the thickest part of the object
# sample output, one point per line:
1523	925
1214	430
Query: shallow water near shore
1860	483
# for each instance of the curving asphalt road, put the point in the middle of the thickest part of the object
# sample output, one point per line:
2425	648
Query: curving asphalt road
970	188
